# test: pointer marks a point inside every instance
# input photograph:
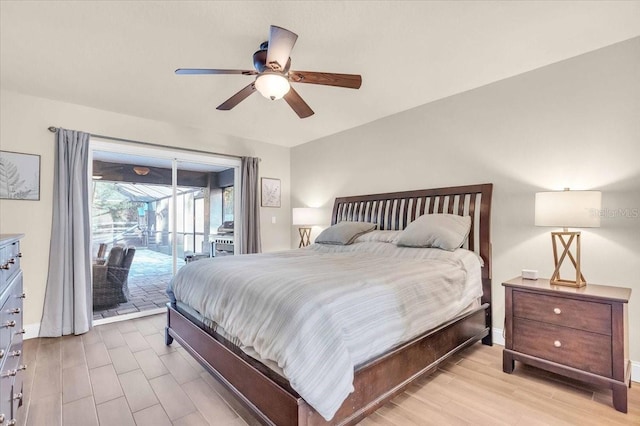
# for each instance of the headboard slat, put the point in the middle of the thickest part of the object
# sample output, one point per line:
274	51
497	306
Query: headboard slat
397	211
472	213
423	205
432	204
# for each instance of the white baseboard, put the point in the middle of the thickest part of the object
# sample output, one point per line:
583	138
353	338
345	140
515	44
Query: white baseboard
31	331
498	339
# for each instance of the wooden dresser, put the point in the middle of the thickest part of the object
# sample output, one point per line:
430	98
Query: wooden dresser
11	331
580	333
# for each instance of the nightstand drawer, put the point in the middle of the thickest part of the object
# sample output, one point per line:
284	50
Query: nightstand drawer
580	314
579	349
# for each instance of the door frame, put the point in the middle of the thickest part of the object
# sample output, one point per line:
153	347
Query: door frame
176	156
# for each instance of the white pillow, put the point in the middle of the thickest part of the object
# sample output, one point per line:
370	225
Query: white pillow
344	233
385	236
445	231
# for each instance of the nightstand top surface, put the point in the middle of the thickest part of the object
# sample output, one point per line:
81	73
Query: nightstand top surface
619	294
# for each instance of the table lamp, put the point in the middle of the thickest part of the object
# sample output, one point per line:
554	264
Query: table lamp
306	217
575	209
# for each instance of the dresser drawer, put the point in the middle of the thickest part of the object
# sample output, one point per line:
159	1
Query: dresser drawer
11	311
578	349
13	358
580	314
9	262
5	332
17	396
6	399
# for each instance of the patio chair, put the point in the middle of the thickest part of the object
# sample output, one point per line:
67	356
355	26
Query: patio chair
110	279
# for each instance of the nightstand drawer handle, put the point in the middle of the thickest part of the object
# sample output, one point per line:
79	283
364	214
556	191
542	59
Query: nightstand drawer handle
557	311
557	343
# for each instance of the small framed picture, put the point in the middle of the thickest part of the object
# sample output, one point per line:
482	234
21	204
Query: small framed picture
19	176
270	192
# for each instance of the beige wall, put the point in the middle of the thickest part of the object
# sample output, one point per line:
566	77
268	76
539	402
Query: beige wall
23	128
572	124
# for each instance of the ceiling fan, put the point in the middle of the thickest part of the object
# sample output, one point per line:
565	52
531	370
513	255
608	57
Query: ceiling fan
272	63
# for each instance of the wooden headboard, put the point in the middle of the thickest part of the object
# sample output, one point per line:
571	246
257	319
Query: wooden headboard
395	210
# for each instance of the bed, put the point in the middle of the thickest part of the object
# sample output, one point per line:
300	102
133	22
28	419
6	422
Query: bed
272	399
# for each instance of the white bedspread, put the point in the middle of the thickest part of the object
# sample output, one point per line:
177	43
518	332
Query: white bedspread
320	311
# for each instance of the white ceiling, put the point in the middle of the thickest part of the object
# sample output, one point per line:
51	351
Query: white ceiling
120	56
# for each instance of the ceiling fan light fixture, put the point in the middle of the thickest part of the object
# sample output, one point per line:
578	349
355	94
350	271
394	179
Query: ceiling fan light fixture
272	86
141	171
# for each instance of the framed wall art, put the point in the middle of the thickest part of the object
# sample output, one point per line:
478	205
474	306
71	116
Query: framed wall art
19	176
270	189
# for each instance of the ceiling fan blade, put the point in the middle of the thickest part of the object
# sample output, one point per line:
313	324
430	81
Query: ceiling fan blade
350	81
281	42
186	71
237	98
298	104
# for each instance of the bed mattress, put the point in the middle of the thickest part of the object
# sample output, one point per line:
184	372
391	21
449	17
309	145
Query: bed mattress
315	314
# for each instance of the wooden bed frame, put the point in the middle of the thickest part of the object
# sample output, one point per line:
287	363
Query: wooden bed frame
270	397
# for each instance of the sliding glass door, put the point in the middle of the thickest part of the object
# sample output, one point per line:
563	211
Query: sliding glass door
152	212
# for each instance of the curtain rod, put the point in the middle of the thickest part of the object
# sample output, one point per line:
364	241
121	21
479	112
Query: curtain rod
54	129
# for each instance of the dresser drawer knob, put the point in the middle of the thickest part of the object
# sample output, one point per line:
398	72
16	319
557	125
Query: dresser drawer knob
557	343
9	324
22	367
15	353
17	396
9	373
22	296
21	331
10	423
5	266
14	311
12	261
20	254
557	311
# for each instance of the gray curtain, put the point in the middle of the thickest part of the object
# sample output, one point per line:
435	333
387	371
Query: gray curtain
250	202
67	303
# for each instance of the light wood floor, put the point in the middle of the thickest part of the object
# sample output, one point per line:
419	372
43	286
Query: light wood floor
123	374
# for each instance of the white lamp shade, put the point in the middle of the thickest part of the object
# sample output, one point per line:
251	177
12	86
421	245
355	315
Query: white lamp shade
575	209
306	216
272	86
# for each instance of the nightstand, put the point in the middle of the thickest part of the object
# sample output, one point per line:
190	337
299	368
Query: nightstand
581	333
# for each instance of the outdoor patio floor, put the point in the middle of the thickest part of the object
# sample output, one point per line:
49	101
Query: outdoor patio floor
148	279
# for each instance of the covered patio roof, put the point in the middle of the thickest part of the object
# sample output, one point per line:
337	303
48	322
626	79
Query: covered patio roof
148	193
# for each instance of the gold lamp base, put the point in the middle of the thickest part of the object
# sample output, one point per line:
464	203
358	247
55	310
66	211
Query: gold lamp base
305	237
566	239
